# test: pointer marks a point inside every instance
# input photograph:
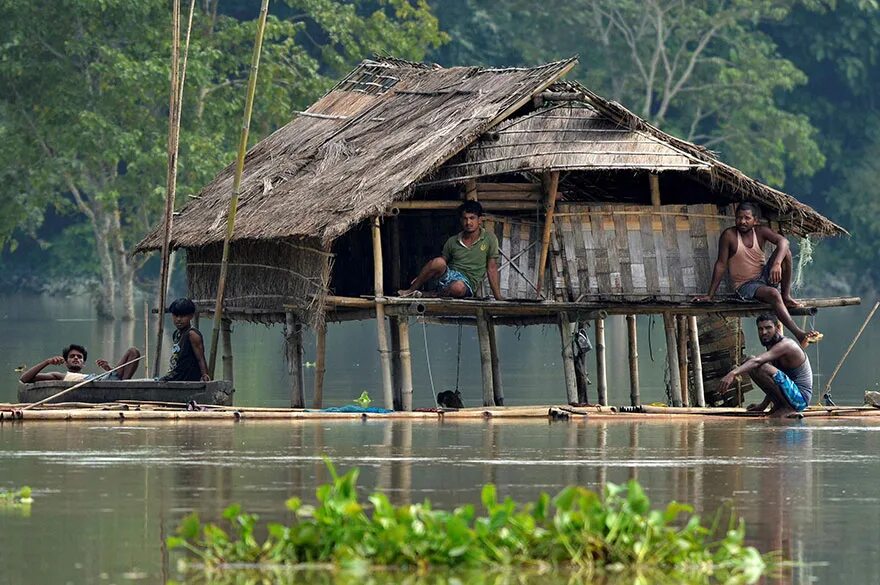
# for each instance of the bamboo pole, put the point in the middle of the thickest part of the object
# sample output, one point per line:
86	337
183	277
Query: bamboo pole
378	284
580	368
654	182
696	360
147	337
394	338
226	331
601	368
98	378
470	190
406	383
236	184
497	386
681	323
293	349
320	363
565	335
672	358
849	349
551	190
485	358
635	397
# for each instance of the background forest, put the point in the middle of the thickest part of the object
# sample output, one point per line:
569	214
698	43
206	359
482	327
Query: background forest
782	89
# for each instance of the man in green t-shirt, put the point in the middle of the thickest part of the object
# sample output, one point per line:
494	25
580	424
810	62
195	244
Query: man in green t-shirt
467	257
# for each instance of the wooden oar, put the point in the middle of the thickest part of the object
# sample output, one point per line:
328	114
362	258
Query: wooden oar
81	384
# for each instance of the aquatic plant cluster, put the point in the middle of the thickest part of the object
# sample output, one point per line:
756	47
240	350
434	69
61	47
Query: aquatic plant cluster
17	499
577	529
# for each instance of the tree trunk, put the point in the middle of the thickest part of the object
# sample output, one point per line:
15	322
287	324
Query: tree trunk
123	266
107	290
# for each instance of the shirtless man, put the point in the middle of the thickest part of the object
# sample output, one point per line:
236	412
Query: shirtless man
74	357
740	250
783	372
467	257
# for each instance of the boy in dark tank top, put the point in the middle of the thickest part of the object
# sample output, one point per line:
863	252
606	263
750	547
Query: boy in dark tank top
188	350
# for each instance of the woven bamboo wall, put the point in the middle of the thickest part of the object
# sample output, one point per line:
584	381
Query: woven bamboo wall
631	250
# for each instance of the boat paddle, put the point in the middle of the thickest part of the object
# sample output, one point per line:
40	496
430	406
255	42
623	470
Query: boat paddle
81	384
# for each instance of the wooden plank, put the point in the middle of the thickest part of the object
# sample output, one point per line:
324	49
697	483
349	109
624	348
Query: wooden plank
570	253
670	251
525	290
649	253
686	253
559	291
504	273
637	260
700	244
534	256
603	268
582	256
621	244
514	277
589	239
659	249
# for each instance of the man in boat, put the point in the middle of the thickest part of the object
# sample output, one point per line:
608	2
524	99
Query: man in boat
783	372
73	357
467	257
188	350
740	251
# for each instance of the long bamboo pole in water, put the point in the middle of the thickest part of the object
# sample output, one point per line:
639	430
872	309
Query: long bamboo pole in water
178	78
381	332
236	185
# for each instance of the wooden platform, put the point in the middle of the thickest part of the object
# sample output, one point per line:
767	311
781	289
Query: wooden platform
121	412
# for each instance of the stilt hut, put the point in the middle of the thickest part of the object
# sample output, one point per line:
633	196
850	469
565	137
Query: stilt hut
597	212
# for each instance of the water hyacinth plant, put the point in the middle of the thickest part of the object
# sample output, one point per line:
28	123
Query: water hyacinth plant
18	500
577	530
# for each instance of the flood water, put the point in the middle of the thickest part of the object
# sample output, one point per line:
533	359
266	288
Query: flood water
106	495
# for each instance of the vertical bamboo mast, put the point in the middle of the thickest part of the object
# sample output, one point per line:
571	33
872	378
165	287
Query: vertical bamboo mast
672	358
236	185
378	284
681	322
551	188
635	397
170	179
320	363
406	384
601	369
293	349
485	357
568	369
696	360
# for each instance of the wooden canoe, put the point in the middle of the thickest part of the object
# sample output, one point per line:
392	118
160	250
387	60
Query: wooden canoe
218	392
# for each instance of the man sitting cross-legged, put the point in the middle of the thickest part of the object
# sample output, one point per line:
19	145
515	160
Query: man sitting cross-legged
783	372
740	250
467	257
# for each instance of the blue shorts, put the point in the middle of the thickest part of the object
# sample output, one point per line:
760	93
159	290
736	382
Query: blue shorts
747	290
450	276
790	390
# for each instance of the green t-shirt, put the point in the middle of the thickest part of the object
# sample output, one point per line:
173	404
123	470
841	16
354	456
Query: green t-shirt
471	261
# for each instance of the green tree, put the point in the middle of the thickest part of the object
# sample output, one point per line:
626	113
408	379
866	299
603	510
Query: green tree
703	70
84	107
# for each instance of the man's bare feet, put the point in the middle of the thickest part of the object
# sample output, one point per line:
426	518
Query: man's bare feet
810	337
782	412
791	302
756	407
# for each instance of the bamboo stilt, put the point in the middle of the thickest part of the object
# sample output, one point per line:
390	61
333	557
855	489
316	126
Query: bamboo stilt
551	189
497	386
565	335
406	383
580	369
696	361
681	323
226	331
394	337
293	349
236	184
635	397
601	369
147	337
672	358
320	364
382	333
485	358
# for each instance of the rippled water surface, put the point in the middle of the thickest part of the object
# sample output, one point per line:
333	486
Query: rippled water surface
106	495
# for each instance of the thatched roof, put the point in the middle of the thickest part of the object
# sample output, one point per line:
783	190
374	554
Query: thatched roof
365	143
390	126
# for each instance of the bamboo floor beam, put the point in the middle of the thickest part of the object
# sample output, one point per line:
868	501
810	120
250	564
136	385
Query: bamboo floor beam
10	414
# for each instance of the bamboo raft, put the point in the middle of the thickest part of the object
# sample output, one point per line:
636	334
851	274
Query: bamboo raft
122	411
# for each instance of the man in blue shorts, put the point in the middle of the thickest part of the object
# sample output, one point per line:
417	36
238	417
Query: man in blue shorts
783	372
467	257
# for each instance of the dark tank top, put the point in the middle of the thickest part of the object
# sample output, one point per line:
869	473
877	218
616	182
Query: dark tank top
184	367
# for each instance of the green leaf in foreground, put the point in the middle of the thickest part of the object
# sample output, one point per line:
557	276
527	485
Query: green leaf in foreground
578	531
